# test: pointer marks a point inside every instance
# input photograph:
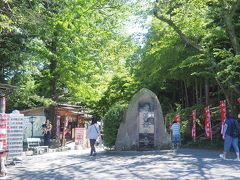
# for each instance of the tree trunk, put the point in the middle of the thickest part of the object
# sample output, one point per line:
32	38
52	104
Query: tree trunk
186	95
196	91
228	19
206	91
200	93
226	94
1	74
53	81
182	94
53	85
193	94
52	118
232	34
54	97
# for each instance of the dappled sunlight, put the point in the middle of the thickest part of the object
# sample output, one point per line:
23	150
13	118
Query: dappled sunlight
182	164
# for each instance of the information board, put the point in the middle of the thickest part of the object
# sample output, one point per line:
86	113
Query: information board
3	133
15	135
146	126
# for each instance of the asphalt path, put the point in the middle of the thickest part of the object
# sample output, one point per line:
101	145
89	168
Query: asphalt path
167	164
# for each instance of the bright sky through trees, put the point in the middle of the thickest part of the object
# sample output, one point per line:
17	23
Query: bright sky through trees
138	28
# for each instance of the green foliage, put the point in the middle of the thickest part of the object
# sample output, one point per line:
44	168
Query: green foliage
189	47
53	45
120	90
216	143
111	123
46	46
186	120
229	71
25	96
186	125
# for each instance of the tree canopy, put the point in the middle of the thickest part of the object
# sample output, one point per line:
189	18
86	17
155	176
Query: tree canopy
191	54
80	52
49	46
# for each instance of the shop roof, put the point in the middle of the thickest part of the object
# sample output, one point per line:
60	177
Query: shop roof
62	110
39	111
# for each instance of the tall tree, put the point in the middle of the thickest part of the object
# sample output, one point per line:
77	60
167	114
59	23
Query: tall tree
77	45
196	22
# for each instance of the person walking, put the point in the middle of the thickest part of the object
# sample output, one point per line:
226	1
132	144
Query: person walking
93	132
175	134
230	136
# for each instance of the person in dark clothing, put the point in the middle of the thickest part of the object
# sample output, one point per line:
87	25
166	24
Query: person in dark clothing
47	127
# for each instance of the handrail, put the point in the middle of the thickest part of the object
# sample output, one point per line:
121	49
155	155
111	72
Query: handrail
203	134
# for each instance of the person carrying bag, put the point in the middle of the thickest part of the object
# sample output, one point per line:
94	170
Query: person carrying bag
93	133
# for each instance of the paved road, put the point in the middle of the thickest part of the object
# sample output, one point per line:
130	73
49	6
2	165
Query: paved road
183	164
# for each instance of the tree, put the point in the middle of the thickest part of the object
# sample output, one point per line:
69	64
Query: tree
120	90
192	21
76	45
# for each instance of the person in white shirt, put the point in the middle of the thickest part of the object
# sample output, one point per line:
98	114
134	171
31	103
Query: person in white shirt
175	134
92	134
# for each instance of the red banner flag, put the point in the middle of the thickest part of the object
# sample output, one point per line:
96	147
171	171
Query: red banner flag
223	113
194	125
208	128
177	118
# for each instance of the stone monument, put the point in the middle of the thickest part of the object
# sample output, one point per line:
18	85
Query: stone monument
143	126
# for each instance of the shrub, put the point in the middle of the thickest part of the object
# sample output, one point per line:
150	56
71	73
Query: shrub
111	123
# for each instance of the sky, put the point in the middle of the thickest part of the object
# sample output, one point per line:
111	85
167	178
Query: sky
138	24
138	29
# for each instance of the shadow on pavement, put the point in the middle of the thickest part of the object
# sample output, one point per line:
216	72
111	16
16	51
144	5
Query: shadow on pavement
183	164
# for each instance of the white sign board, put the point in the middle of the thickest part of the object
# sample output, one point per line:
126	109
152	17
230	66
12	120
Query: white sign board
79	135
